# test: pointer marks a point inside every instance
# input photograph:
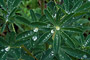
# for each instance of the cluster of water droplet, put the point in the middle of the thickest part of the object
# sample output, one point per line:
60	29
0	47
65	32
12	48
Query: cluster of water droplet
47	37
26	35
86	43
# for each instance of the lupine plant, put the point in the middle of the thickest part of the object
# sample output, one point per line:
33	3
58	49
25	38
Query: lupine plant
57	34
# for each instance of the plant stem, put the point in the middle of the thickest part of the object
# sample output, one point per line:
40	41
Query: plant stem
13	28
28	52
42	6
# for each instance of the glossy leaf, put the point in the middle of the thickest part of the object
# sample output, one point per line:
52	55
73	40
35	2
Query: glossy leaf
23	20
48	55
77	53
56	42
45	37
72	29
25	35
83	7
3	42
49	17
68	40
33	16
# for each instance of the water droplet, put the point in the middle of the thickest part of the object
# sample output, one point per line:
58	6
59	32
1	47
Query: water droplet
73	18
34	38
2	50
48	25
57	28
84	56
52	31
89	0
28	34
25	35
7	48
35	30
54	16
7	20
81	24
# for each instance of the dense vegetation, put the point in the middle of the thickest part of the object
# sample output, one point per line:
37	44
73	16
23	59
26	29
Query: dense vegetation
44	30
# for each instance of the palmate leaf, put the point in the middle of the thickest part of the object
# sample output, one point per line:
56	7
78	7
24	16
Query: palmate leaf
56	42
76	53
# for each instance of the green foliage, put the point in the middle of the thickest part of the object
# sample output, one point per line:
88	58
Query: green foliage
58	34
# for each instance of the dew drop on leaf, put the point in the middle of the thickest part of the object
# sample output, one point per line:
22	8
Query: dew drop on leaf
52	31
84	56
35	30
2	50
34	38
7	48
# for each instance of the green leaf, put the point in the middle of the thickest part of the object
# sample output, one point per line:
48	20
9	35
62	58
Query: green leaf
83	7
12	37
72	29
23	20
66	18
58	15
66	5
16	3
3	42
76	53
49	17
48	55
68	40
20	42
3	27
12	12
38	24
33	16
87	41
76	6
63	55
44	38
24	35
2	3
56	42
